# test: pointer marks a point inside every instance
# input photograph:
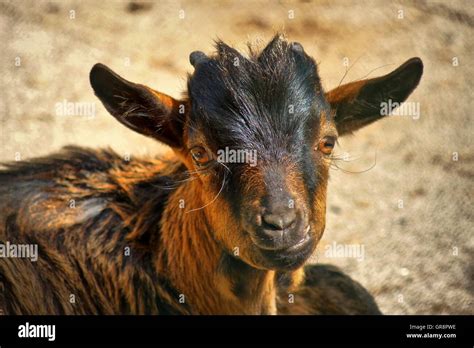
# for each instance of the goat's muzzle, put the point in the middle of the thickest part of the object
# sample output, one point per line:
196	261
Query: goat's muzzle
281	234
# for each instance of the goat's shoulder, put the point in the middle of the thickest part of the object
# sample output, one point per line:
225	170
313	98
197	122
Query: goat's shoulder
78	185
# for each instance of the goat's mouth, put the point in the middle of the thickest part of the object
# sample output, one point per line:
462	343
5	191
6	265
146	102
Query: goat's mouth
290	257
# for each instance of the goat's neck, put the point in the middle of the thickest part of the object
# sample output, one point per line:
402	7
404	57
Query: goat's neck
212	281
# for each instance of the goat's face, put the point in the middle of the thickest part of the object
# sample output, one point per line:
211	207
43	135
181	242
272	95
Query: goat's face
261	132
257	133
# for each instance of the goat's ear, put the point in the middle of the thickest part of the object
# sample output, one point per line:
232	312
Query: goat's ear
359	103
138	107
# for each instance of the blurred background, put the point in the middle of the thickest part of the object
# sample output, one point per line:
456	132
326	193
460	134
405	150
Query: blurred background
403	196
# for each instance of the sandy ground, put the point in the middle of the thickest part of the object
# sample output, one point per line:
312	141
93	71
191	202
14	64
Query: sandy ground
411	214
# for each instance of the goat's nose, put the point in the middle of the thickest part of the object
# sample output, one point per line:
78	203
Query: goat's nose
279	220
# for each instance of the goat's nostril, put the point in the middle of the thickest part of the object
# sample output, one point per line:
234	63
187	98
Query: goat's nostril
279	221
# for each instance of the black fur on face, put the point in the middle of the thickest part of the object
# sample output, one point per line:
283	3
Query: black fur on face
265	101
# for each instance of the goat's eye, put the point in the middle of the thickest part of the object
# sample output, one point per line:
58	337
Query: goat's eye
200	156
326	145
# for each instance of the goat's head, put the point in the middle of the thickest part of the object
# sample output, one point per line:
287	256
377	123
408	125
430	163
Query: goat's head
258	133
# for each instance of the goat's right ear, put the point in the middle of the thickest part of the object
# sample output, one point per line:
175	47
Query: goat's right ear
138	107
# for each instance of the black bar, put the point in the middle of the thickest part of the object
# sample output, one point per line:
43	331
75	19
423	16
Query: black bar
287	330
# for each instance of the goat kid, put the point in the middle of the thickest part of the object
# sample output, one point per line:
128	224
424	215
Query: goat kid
191	233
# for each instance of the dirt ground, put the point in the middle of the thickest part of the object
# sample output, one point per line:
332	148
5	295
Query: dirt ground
411	214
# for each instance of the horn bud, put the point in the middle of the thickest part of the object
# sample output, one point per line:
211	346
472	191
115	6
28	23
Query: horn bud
197	57
297	47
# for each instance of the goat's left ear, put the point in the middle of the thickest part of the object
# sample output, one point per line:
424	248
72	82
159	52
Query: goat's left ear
359	103
138	107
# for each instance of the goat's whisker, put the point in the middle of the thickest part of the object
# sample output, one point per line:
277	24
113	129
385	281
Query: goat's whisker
336	167
213	200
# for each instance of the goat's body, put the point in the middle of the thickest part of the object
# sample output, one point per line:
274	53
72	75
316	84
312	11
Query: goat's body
96	219
74	207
